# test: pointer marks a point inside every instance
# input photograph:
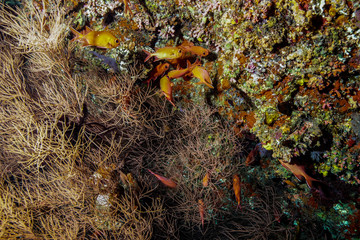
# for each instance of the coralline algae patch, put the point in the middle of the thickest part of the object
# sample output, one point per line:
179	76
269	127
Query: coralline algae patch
308	78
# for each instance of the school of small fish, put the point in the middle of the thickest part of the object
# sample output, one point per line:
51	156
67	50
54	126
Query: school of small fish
177	56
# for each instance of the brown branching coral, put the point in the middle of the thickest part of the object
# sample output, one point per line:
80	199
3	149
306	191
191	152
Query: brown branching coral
37	38
258	220
51	150
203	145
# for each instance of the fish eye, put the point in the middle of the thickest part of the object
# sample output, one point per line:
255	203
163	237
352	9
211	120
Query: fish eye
180	51
117	40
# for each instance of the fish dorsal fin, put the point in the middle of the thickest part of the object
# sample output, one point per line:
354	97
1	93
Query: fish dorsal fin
197	62
187	43
87	29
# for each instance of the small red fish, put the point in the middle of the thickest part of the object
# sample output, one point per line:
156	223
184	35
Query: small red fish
158	71
168	182
237	189
299	173
202	211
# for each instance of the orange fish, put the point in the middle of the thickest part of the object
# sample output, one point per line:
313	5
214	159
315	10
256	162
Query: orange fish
164	53
168	182
202	75
177	73
159	70
206	180
199	51
202	211
100	39
237	189
188	46
299	173
166	87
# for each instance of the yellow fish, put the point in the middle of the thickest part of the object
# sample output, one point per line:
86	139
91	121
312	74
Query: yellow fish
100	39
166	87
202	75
164	53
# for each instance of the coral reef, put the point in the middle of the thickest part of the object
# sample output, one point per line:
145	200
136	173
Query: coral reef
80	128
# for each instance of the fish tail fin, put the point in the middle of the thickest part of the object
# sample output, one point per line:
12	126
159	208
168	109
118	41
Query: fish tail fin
189	66
209	85
169	98
172	101
197	62
310	181
149	55
87	29
77	34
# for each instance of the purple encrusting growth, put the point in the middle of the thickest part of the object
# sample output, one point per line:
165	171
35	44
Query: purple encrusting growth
111	62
